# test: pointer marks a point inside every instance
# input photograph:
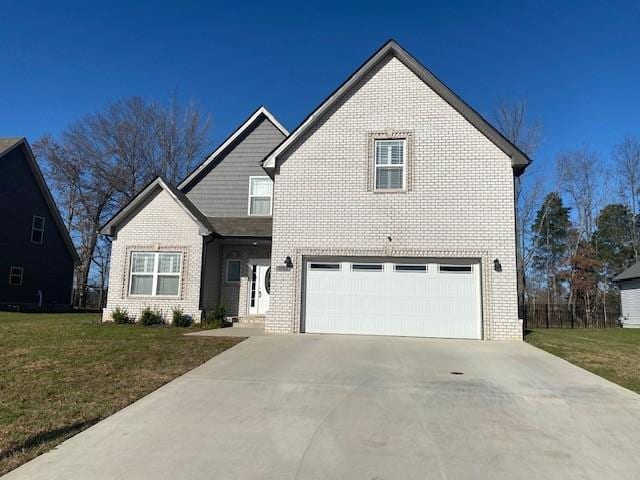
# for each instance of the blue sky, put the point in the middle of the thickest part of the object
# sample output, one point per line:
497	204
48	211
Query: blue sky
577	63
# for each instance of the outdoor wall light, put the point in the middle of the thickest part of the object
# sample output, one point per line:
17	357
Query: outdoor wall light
288	263
496	265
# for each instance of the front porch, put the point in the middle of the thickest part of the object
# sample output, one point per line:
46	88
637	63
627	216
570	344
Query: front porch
236	275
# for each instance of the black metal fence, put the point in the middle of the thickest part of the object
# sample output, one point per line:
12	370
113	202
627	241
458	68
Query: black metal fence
92	299
571	316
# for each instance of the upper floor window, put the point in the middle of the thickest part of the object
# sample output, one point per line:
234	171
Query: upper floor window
15	275
155	274
37	229
390	164
260	191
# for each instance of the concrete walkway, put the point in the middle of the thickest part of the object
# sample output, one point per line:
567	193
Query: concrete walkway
229	332
340	407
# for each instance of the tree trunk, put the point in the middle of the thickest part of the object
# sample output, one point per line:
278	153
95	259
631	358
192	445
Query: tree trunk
87	258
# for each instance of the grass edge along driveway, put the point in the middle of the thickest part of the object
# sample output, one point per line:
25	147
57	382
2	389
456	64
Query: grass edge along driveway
62	373
612	353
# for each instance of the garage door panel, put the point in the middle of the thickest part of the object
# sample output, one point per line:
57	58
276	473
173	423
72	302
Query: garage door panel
422	302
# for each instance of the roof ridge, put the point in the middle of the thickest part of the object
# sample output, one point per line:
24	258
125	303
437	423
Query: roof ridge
518	158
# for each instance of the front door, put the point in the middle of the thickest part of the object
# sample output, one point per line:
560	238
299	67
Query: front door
260	288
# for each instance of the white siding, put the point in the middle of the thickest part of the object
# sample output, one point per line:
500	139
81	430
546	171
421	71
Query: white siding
630	297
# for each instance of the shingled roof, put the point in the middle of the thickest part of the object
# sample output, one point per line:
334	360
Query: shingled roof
259	227
8	143
630	273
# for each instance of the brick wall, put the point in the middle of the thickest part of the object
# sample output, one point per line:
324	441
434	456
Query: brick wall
459	202
161	225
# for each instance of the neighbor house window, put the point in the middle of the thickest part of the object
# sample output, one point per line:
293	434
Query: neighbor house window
390	164
155	274
15	275
37	229
260	190
233	271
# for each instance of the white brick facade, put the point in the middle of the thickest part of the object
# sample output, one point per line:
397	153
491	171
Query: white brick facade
459	203
161	225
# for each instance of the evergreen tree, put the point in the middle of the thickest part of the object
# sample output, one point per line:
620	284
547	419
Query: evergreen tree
613	239
551	231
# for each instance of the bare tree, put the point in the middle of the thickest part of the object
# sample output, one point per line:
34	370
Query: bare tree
626	157
512	119
102	160
579	176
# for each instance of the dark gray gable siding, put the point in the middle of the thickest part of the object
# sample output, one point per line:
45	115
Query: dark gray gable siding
48	267
223	189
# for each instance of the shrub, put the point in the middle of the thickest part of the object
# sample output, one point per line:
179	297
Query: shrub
120	316
216	317
151	317
180	319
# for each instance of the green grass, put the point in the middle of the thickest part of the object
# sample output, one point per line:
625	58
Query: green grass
61	373
612	353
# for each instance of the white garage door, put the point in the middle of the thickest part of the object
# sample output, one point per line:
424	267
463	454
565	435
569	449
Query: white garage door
386	297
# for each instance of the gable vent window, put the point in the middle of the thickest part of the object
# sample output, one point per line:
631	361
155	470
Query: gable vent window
37	229
390	164
15	275
260	192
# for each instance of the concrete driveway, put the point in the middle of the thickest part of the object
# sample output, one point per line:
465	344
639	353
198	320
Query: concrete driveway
341	407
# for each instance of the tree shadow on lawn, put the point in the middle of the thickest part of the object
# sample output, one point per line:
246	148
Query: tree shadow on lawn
48	436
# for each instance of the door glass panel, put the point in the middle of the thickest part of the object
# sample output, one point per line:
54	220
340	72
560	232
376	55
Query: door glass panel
324	266
410	268
367	266
455	268
267	281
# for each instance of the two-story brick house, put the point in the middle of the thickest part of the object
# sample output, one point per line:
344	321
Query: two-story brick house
388	211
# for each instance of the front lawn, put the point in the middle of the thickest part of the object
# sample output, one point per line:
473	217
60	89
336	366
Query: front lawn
612	353
61	373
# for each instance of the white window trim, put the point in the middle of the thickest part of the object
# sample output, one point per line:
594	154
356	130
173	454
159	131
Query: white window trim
34	229
155	274
251	178
376	166
12	274
226	275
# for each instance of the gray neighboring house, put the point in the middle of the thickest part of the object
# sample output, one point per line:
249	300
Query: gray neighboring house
37	256
629	284
388	211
